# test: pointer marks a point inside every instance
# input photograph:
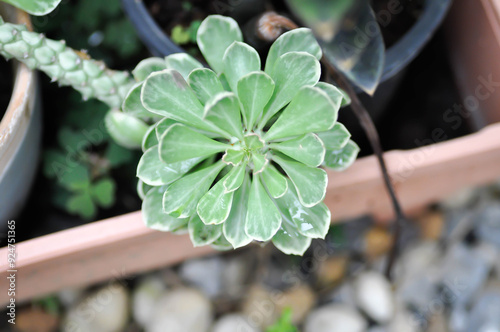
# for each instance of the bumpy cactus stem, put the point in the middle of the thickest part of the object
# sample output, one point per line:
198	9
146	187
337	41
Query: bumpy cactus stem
64	65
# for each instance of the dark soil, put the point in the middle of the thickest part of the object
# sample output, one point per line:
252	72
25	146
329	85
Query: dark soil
416	115
6	85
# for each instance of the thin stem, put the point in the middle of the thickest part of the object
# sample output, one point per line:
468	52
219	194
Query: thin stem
372	134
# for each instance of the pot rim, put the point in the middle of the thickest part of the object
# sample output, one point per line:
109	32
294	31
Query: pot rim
15	121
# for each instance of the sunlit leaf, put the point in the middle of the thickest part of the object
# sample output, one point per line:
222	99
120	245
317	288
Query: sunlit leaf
202	234
292	71
234	226
155	172
310	111
215	34
183	63
312	222
296	40
310	182
254	92
180	143
239	60
224	111
148	66
38	7
341	159
166	93
205	84
276	183
152	212
182	196
263	218
335	138
307	149
214	207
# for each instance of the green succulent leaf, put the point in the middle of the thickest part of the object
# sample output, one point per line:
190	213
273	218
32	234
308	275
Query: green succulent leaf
155	172
166	93
148	66
289	240
103	192
312	222
205	84
162	126
215	34
276	183
183	63
234	179
292	71
182	196
346	100
149	140
214	207
38	7
336	95
180	143
263	218
143	189
224	112
296	40
307	149
126	130
234	226
254	91
310	182
335	138
221	244
239	60
233	157
202	234
259	162
132	104
341	159
152	212
309	111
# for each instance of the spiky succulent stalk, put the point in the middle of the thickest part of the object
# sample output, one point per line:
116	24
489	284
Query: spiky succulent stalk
235	155
64	65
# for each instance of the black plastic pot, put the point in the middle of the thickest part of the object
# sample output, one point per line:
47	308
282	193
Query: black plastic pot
397	57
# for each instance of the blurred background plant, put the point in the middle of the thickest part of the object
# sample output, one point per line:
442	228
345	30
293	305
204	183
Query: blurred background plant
80	159
284	323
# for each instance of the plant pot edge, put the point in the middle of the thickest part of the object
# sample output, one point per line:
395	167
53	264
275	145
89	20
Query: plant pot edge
20	131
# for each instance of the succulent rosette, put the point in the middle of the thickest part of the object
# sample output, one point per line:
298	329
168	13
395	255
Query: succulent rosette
235	154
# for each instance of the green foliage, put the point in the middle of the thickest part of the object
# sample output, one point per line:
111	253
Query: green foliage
284	323
83	160
234	154
181	35
35	7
